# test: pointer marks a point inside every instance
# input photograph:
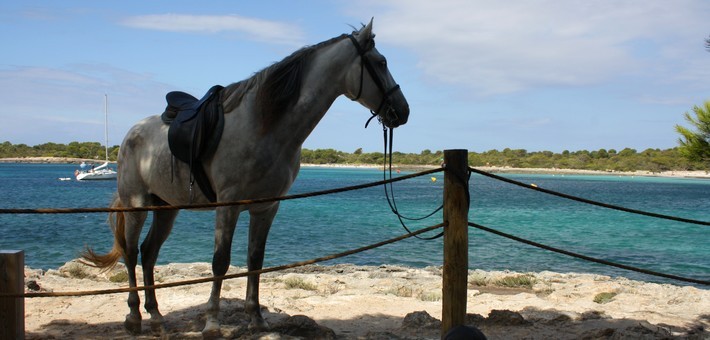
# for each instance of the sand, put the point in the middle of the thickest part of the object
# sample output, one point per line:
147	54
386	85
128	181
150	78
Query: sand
494	169
359	302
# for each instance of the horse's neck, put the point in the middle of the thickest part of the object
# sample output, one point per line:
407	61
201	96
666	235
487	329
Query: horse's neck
323	82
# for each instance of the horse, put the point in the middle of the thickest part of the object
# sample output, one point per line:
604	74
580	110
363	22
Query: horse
267	118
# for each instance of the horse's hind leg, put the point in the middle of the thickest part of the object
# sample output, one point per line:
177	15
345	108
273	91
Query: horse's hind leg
134	224
158	233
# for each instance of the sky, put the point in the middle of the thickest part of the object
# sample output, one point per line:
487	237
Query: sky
478	75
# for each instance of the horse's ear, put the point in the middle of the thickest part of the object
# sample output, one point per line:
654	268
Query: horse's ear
365	35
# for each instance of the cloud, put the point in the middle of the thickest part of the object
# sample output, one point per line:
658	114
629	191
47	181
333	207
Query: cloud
255	29
494	47
67	103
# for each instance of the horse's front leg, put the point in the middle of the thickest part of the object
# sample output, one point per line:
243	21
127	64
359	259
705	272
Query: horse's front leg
159	231
226	221
259	225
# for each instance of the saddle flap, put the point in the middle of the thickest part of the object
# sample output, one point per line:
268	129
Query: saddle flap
195	130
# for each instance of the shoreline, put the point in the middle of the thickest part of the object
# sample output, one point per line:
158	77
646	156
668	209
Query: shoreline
695	174
393	302
51	160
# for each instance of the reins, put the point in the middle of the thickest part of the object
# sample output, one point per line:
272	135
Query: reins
388	142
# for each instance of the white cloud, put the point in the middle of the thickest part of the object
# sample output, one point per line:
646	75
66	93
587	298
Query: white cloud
256	29
497	47
67	103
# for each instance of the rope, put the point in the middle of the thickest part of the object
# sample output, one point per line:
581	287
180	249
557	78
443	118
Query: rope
216	204
584	200
230	276
588	258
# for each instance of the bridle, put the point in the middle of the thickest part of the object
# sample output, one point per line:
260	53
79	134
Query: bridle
388	140
365	63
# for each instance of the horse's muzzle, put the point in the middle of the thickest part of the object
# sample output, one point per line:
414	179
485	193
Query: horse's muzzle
395	115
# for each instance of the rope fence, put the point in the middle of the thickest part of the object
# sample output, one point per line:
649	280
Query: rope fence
349	252
229	276
455	264
218	204
588	258
587	201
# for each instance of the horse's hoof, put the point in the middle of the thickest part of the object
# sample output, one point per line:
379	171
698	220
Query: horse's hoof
132	325
158	328
213	333
258	325
211	330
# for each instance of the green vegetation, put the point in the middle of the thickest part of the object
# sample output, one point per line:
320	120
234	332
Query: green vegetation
605	160
299	283
75	270
121	276
605	297
89	150
516	281
695	145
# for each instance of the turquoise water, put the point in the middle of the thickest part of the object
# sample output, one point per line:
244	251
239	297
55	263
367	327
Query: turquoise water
319	226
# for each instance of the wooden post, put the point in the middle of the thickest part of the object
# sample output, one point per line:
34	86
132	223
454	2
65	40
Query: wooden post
456	206
12	279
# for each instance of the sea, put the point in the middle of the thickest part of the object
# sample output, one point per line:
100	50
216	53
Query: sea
318	226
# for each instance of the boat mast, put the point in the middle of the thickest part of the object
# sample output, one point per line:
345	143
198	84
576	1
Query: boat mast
106	123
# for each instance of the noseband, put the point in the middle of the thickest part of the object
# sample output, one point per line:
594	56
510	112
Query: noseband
365	63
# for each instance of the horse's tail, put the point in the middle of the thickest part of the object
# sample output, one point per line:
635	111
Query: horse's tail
107	261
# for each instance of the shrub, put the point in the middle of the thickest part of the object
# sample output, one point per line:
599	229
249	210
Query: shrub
299	283
604	297
517	281
119	277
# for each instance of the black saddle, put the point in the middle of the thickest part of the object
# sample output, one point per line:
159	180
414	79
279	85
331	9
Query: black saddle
195	130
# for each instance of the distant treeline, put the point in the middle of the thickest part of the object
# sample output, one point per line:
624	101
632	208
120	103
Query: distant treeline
89	150
624	160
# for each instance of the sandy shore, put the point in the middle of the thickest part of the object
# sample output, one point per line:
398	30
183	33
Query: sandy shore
493	169
51	160
386	302
555	171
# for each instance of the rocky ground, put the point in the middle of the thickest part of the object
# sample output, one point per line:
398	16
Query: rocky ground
386	302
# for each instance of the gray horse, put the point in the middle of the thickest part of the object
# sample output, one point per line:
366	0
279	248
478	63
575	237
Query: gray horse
267	118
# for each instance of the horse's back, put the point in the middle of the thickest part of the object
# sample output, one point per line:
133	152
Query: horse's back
144	156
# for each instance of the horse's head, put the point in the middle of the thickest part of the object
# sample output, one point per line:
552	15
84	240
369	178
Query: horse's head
371	84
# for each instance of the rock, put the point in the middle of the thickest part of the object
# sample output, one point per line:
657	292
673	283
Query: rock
475	319
420	320
506	318
303	326
33	286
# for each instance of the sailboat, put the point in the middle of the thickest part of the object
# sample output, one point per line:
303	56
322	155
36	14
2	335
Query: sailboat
103	171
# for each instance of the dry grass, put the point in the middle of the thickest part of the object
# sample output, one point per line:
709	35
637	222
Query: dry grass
299	283
516	281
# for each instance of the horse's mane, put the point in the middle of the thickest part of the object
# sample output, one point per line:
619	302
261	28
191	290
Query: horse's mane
278	86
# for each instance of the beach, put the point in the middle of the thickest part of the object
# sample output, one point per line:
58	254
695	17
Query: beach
375	302
493	169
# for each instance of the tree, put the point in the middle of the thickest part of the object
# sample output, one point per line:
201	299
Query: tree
695	145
